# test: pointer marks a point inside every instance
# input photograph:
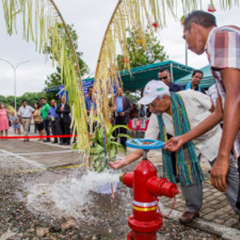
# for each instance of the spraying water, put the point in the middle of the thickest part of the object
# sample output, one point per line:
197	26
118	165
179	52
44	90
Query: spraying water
68	195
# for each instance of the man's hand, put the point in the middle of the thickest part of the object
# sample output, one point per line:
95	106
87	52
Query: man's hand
61	109
219	172
122	114
174	143
117	164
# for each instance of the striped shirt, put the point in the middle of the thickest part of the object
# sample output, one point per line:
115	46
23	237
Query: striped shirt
223	51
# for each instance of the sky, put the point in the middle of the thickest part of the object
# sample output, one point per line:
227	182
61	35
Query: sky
90	19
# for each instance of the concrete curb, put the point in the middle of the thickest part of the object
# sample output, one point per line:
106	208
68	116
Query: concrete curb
213	228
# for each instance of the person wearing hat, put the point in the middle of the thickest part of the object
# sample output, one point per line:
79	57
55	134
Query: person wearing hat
177	114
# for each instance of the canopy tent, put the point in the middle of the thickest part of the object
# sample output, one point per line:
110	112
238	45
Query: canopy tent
206	82
140	76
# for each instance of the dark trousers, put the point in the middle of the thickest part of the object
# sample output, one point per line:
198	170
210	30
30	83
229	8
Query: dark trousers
64	130
46	128
54	129
120	121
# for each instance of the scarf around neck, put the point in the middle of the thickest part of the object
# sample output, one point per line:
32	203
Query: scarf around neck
188	167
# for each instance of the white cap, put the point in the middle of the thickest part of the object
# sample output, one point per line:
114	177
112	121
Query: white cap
152	90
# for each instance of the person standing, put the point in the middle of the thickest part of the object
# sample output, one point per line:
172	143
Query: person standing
165	76
25	113
122	107
53	116
4	121
89	100
38	120
222	47
15	124
44	113
197	76
64	120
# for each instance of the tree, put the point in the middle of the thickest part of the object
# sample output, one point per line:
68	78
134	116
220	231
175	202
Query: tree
140	56
55	78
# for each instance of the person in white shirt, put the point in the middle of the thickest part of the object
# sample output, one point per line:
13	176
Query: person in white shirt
25	113
176	114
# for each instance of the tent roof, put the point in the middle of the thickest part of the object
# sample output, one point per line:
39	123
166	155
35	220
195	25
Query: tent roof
140	76
206	82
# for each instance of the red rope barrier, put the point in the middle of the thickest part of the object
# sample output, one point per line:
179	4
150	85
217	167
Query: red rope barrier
27	137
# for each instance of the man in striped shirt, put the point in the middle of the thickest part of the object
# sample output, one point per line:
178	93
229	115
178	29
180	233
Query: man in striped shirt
222	46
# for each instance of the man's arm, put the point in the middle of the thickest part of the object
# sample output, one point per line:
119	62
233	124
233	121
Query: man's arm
231	81
231	120
129	159
211	121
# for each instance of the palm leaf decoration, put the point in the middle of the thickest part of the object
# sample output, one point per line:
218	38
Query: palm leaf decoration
41	20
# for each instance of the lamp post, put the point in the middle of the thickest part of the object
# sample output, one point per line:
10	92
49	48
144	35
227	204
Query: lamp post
15	88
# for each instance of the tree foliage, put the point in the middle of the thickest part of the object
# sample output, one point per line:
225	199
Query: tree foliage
140	56
31	98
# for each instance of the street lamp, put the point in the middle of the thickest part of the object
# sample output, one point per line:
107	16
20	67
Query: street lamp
15	89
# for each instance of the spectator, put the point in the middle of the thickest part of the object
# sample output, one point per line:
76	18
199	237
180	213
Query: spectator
89	100
38	120
223	51
134	113
15	123
44	113
25	113
53	119
197	76
176	113
122	106
4	121
165	76
64	120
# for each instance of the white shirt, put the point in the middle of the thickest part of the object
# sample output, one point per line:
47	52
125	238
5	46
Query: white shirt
25	112
197	107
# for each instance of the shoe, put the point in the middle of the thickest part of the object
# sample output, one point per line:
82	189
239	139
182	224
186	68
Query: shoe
188	217
25	140
66	144
55	142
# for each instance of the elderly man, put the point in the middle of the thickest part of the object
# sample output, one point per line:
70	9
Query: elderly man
222	46
25	113
197	76
177	114
165	76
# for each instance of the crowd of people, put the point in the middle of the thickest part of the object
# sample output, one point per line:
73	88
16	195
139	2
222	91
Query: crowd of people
53	119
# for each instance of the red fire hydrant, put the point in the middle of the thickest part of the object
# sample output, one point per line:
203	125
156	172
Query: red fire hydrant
146	220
